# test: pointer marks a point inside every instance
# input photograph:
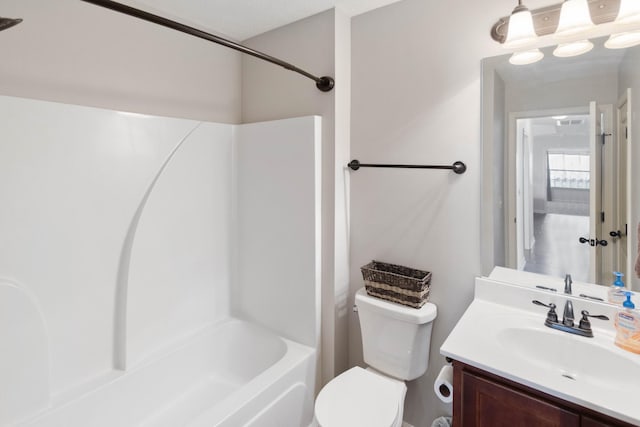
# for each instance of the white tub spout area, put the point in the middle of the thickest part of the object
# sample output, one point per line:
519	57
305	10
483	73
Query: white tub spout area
142	269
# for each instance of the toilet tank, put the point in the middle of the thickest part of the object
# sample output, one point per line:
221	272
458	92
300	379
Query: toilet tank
395	338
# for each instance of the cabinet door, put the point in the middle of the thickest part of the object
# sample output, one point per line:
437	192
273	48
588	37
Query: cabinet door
488	404
591	422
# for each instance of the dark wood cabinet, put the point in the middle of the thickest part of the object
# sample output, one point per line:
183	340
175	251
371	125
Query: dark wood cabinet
481	399
591	422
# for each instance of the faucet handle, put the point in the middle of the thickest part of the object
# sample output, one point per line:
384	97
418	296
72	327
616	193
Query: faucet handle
584	322
552	316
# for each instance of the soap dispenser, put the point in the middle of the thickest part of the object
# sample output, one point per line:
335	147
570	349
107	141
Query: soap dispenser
627	325
617	291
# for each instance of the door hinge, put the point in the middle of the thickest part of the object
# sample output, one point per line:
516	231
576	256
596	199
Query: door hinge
601	216
626	132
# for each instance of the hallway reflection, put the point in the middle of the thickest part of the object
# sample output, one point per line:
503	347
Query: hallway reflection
557	250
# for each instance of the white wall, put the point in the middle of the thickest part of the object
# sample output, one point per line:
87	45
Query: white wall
74	182
179	273
416	99
319	44
630	78
75	52
277	220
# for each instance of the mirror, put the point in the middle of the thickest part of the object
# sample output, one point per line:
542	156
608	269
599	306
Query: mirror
561	171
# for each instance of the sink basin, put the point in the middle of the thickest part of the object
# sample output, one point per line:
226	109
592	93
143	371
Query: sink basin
572	358
503	333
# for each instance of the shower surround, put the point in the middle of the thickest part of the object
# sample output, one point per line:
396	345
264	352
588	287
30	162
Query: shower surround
128	238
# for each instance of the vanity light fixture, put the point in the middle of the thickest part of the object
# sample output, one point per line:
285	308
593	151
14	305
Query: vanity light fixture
571	23
629	13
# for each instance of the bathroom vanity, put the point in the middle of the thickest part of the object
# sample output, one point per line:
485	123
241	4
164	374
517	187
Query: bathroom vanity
510	369
484	399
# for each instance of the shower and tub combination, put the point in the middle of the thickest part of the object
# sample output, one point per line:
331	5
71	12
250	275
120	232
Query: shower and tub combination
156	271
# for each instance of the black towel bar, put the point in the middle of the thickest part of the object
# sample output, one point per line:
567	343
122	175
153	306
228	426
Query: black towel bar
457	167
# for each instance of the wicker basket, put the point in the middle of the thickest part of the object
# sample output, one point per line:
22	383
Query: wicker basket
396	283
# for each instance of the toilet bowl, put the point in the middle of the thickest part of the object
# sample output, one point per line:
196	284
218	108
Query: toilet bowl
361	397
395	343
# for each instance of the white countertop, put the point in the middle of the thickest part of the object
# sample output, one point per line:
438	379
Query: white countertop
503	333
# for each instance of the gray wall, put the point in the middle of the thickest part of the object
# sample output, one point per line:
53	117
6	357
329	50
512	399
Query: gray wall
74	52
416	99
499	138
562	93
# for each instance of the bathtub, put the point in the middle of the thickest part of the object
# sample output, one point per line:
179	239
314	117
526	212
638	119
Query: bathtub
231	374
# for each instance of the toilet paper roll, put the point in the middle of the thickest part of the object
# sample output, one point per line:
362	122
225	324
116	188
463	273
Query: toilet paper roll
443	385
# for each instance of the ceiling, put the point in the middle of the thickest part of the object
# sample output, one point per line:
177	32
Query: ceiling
243	19
576	124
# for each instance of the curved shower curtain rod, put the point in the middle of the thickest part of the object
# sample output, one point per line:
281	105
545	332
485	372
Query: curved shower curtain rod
6	23
324	83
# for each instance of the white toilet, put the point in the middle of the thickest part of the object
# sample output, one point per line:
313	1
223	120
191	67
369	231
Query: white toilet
395	344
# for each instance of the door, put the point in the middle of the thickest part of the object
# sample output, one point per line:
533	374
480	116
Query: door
524	197
520	183
602	209
595	193
619	233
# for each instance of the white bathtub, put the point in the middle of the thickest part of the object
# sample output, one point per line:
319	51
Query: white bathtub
231	374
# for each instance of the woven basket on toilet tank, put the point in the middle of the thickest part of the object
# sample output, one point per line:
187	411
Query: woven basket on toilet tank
396	283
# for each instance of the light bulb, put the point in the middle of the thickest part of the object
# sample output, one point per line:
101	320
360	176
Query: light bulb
623	40
565	50
628	13
526	57
575	19
520	32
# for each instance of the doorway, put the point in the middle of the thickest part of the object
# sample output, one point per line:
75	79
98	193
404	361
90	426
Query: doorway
558	192
555	179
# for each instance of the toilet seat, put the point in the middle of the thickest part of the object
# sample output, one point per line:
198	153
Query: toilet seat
360	398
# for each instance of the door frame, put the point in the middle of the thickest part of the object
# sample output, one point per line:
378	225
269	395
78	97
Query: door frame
624	99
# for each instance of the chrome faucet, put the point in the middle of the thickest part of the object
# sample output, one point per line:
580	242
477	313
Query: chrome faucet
567	316
567	286
567	325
